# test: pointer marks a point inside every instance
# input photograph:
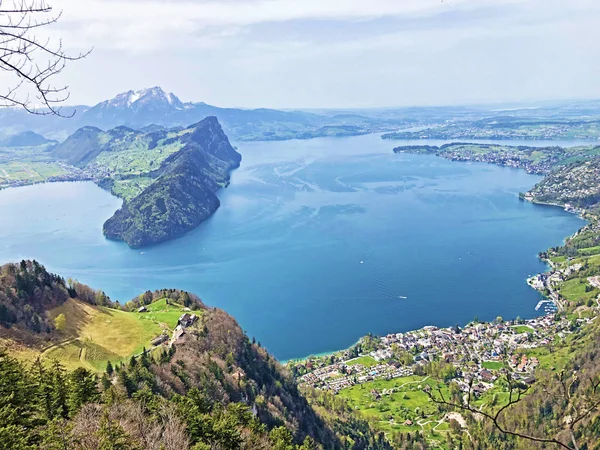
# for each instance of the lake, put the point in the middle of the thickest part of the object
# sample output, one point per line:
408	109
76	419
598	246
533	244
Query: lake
317	242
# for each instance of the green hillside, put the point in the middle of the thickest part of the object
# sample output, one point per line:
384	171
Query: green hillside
94	335
212	389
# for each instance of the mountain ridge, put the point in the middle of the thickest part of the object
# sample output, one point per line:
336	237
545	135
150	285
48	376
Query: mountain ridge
168	179
153	106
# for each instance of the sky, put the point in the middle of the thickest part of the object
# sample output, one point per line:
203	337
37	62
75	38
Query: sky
333	53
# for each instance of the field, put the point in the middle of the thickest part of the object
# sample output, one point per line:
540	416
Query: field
523	329
493	365
366	361
137	159
550	360
127	189
28	172
95	335
160	312
401	402
575	290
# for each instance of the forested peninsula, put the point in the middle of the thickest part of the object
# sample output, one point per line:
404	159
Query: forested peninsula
168	179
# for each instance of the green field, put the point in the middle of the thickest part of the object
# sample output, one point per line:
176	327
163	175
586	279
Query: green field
160	312
523	329
550	360
136	158
408	401
590	251
127	189
575	290
366	361
493	365
28	172
95	335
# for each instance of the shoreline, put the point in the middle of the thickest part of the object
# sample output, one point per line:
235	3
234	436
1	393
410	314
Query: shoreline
548	263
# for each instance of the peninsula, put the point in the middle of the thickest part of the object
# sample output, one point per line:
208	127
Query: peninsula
168	179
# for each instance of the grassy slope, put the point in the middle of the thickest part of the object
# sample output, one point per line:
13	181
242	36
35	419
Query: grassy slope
95	335
366	361
407	402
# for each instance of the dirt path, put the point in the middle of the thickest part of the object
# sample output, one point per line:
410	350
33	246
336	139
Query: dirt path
458	417
413	382
58	344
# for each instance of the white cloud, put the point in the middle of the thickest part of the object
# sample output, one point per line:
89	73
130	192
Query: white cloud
305	53
147	25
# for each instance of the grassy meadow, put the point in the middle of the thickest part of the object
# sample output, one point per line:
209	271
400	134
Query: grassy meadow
94	335
401	402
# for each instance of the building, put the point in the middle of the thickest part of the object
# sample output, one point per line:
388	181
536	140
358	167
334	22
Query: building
187	320
160	339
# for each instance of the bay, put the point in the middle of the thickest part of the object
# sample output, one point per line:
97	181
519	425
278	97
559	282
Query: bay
317	242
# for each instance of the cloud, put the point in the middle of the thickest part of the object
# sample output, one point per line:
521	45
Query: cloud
309	53
138	25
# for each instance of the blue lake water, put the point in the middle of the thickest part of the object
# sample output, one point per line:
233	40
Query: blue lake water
316	242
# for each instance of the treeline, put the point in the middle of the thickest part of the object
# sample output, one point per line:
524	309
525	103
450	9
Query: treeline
50	408
214	390
177	296
27	291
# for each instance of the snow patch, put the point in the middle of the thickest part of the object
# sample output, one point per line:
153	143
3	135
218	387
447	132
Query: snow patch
133	97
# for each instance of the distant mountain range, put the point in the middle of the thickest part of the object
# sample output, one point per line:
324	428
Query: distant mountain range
155	107
25	139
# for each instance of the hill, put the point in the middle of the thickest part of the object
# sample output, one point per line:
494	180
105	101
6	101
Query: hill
83	146
27	292
576	184
26	139
207	387
42	315
167	178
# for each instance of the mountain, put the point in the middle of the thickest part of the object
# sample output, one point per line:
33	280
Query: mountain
183	195
205	385
138	109
134	108
167	178
81	147
26	139
153	106
575	183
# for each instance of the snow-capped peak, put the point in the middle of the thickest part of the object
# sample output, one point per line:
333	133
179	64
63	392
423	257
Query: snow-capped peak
154	96
133	97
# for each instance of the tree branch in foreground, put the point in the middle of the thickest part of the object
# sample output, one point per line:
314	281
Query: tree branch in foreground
32	62
577	409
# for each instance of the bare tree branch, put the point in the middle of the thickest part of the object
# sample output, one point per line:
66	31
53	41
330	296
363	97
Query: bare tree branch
516	392
32	61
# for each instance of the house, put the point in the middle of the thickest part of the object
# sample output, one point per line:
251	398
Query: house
187	319
486	375
408	422
142	309
177	334
159	340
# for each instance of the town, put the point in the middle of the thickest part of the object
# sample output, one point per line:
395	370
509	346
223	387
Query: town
479	352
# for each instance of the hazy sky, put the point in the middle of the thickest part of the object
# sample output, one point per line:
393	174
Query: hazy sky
335	53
